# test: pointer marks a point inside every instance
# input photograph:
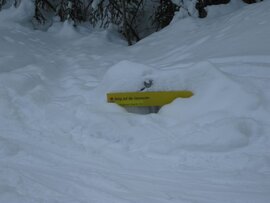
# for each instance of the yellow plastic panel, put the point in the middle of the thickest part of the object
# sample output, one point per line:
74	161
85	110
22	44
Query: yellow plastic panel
146	98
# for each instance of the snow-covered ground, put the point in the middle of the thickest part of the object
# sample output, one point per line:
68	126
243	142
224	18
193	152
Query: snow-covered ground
61	142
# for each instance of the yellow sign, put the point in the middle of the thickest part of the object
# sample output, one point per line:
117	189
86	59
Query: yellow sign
146	98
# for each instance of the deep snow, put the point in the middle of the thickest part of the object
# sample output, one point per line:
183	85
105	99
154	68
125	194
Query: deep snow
61	142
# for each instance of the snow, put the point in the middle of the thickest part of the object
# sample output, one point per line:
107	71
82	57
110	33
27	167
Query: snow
23	13
60	141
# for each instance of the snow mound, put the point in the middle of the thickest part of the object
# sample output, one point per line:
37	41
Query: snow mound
214	91
125	76
220	117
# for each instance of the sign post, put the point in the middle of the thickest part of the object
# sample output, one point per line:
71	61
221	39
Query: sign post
146	98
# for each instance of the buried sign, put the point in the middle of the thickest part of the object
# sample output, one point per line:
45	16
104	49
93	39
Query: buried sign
146	98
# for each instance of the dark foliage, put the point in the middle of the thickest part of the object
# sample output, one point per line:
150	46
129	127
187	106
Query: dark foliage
201	4
251	1
131	17
164	13
2	3
123	13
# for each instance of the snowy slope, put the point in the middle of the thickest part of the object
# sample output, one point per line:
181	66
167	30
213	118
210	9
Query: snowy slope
61	142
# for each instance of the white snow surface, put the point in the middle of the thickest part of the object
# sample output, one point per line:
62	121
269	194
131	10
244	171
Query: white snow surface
61	142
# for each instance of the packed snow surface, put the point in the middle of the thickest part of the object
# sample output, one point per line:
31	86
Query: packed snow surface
60	141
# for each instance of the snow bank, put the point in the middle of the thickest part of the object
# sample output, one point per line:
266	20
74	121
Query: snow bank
220	104
215	90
